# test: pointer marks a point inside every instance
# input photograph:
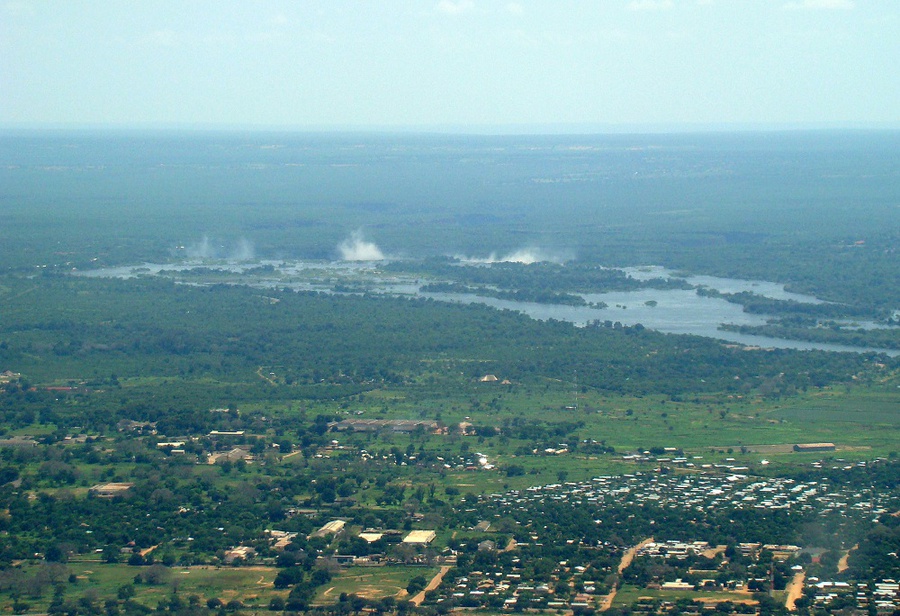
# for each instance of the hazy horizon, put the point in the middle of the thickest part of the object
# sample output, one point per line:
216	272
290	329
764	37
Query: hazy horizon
458	66
524	130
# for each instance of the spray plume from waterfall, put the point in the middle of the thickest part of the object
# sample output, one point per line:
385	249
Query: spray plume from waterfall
525	256
206	249
356	248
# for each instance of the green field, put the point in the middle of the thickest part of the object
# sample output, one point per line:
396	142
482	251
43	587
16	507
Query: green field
252	586
879	408
372	582
628	595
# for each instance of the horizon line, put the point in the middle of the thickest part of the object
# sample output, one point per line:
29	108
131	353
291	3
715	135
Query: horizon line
521	129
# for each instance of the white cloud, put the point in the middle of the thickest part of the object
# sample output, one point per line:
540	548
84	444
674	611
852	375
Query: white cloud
455	7
650	5
818	5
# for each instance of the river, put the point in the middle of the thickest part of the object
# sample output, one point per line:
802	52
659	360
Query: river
673	311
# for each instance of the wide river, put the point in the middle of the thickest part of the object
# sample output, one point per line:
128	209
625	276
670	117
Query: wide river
676	311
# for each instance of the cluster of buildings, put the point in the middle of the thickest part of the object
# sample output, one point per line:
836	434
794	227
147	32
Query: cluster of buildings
702	492
882	596
508	587
280	539
469	462
404	426
673	549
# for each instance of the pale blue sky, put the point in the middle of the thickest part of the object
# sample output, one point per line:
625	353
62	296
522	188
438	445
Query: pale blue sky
460	64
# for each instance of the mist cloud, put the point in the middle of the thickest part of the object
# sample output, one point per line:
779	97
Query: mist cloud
201	250
206	249
526	256
244	251
356	248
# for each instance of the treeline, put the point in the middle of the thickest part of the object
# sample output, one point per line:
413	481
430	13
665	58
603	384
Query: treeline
859	277
343	345
872	338
758	304
519	295
543	277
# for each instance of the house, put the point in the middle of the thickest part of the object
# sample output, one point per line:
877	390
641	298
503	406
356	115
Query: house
128	425
406	426
677	585
8	375
109	490
331	528
230	456
805	447
18	441
280	539
242	552
420	537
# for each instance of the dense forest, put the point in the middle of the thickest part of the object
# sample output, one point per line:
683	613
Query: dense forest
92	329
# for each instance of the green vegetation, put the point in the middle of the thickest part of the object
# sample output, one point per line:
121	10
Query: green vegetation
263	438
816	332
145	381
373	582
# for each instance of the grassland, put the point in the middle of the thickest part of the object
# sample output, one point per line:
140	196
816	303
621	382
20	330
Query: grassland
628	595
862	422
252	586
372	582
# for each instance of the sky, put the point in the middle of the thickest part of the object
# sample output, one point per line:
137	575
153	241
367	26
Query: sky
468	65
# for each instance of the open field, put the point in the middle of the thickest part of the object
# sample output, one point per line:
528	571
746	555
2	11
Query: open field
628	595
252	586
372	582
874	408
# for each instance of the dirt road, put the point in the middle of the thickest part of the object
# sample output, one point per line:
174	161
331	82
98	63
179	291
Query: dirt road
630	553
842	563
434	583
627	557
148	550
794	590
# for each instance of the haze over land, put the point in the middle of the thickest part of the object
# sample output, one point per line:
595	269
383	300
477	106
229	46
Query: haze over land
412	308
